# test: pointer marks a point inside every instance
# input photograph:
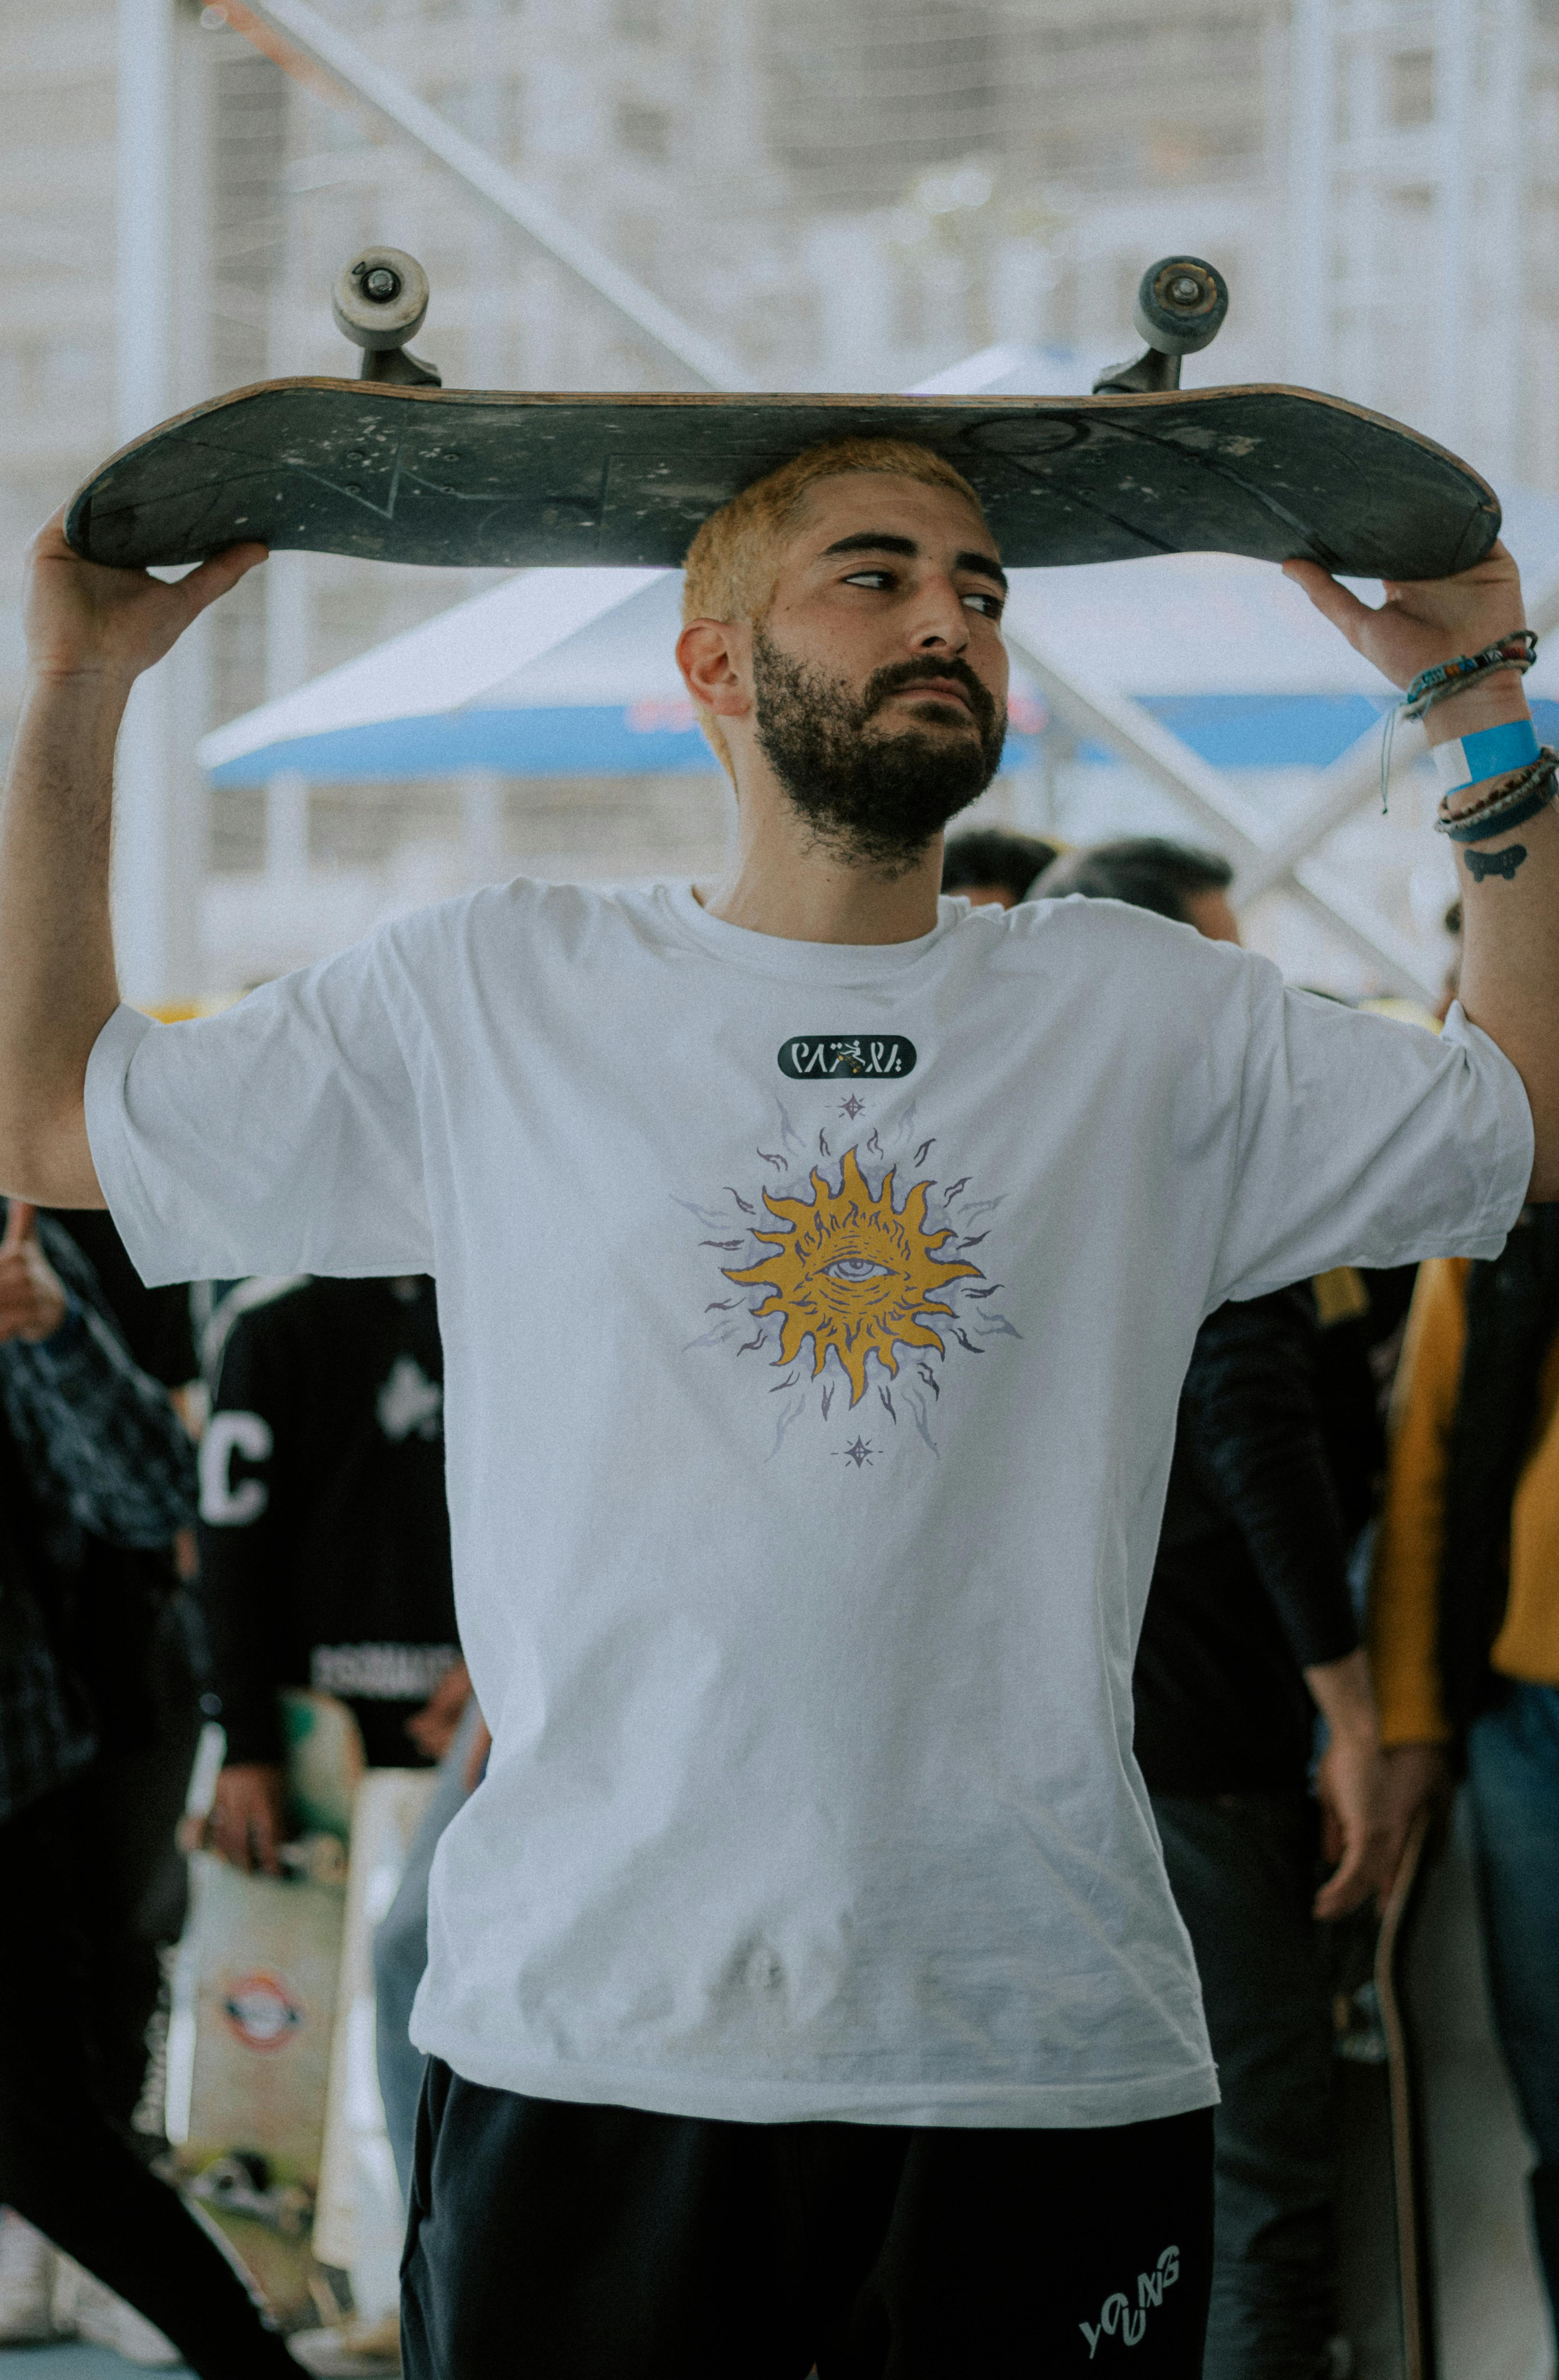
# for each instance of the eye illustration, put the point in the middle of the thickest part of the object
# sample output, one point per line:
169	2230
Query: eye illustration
853	1273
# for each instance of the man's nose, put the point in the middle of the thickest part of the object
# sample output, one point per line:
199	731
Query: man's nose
941	622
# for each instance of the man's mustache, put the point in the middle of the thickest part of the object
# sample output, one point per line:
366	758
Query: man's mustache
899	675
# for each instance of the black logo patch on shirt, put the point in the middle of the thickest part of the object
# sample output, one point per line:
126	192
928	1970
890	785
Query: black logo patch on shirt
829	1055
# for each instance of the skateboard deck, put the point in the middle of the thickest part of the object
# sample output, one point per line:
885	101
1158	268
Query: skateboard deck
1386	2279
448	477
254	1993
1408	2167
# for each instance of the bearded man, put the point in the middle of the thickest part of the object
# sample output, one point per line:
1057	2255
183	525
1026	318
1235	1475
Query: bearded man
805	1987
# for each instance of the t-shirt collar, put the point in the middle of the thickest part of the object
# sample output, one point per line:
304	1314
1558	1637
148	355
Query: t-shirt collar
775	954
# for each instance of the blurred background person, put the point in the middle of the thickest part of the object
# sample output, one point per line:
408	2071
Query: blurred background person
324	1539
400	1945
993	867
1249	1632
96	1461
325	1563
1465	1633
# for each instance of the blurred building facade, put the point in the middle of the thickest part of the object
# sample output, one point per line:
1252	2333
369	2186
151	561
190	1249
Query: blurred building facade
844	193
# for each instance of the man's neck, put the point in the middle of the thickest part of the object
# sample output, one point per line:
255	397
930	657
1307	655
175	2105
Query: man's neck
781	880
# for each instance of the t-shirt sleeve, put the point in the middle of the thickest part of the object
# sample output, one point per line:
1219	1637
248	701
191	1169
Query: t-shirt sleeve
281	1136
1365	1141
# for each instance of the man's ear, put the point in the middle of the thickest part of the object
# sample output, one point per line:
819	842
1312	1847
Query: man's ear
715	658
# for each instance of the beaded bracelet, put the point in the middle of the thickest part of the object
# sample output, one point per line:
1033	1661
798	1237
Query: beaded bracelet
1510	804
1433	685
1517	651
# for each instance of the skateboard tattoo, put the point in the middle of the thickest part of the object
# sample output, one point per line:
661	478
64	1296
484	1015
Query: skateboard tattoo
1505	863
396	467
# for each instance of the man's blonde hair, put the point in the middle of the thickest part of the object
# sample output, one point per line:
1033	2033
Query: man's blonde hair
733	563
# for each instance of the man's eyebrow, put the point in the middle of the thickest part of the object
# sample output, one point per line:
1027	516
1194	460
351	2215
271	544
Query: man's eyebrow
875	540
983	563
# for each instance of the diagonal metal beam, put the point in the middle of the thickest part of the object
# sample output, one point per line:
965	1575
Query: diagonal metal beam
703	359
1334	903
1341	790
1109	718
1106	717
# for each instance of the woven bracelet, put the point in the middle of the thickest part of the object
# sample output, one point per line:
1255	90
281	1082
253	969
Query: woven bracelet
1531	791
1517	651
1446	678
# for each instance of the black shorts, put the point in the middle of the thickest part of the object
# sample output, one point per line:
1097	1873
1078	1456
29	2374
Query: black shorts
605	2243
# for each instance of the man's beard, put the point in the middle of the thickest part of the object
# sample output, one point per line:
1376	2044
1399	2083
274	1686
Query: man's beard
873	795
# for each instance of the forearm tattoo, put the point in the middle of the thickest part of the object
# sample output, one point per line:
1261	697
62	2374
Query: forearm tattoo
1496	863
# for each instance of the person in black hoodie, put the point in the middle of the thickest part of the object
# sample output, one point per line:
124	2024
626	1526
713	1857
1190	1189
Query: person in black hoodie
1250	1631
324	1534
93	1460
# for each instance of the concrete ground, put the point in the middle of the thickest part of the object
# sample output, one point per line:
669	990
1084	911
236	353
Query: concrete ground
71	2359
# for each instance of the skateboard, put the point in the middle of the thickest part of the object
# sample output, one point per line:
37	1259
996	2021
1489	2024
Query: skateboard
255	1994
1409	2172
1386	2275
394	467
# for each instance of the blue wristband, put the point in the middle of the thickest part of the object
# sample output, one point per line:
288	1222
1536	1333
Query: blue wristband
1493	752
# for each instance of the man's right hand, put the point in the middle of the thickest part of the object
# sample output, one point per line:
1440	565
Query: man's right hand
248	1821
84	620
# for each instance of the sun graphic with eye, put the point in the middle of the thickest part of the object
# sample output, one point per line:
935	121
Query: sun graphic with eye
853	1273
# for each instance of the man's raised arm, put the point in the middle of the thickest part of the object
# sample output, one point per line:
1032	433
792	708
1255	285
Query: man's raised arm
1509	877
90	633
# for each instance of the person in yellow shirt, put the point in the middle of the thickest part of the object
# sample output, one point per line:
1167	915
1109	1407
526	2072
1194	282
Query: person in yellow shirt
1465	1631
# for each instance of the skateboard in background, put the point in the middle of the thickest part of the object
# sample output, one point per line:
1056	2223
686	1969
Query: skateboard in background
1385	2250
254	1993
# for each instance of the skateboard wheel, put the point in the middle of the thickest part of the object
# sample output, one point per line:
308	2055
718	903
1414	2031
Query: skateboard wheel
1180	305
381	299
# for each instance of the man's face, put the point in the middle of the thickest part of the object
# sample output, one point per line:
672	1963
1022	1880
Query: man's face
879	673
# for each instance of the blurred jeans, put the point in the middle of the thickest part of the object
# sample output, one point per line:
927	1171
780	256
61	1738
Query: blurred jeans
1243	1870
1512	1797
400	1954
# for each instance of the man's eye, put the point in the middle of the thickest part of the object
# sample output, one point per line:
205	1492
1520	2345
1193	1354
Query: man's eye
870	578
989	604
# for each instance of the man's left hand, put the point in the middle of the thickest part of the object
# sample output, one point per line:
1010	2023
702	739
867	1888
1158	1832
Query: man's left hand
33	1302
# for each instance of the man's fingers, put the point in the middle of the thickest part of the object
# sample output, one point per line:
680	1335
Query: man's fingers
1367	1866
21	1224
1338	604
1348	1886
214	578
230	1837
477	1758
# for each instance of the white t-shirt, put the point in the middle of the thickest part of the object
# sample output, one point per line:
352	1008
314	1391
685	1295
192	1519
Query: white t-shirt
814	1321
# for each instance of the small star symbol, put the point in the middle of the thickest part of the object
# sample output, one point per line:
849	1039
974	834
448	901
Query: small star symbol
858	1454
851	1107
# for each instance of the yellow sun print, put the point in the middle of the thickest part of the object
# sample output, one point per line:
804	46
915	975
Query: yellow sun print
853	1273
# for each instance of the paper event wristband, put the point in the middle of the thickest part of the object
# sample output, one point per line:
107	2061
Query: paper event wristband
1472	759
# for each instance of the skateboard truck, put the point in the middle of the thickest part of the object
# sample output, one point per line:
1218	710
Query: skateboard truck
1180	306
380	302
